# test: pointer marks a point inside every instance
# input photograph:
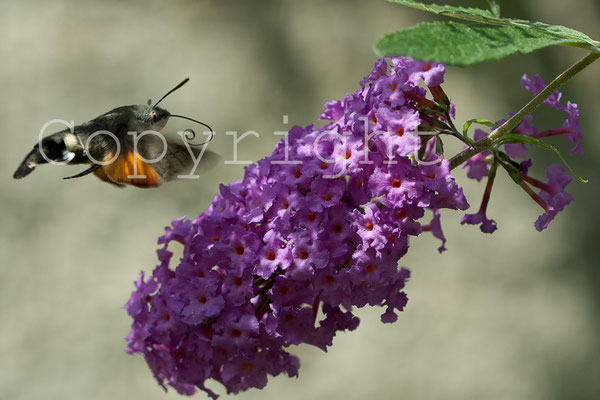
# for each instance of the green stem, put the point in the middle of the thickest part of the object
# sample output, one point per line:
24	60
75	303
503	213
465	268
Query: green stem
508	126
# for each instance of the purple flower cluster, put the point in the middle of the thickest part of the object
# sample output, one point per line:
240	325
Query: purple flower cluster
315	229
551	196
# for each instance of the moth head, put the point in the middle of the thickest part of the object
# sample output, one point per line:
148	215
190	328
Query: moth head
157	118
153	117
149	118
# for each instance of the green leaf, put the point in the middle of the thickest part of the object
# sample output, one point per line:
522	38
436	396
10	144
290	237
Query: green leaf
508	165
494	8
463	44
480	121
574	37
511	138
450	11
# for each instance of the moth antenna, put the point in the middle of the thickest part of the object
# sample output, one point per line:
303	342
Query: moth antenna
171	91
192	134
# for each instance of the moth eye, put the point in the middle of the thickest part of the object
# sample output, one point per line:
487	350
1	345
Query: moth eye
154	118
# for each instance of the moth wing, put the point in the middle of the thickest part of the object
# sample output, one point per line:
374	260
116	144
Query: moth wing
178	159
100	173
129	169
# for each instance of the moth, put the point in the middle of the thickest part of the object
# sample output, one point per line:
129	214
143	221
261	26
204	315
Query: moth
124	147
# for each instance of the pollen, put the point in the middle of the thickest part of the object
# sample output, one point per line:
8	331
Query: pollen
396	183
370	269
348	154
400	131
369	226
270	256
239	250
327	197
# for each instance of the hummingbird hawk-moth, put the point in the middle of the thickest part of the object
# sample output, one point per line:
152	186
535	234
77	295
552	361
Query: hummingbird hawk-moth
123	147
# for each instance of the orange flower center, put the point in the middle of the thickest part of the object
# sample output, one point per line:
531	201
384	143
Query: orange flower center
284	290
236	333
303	254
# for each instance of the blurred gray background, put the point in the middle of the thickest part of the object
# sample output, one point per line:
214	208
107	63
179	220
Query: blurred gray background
511	315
